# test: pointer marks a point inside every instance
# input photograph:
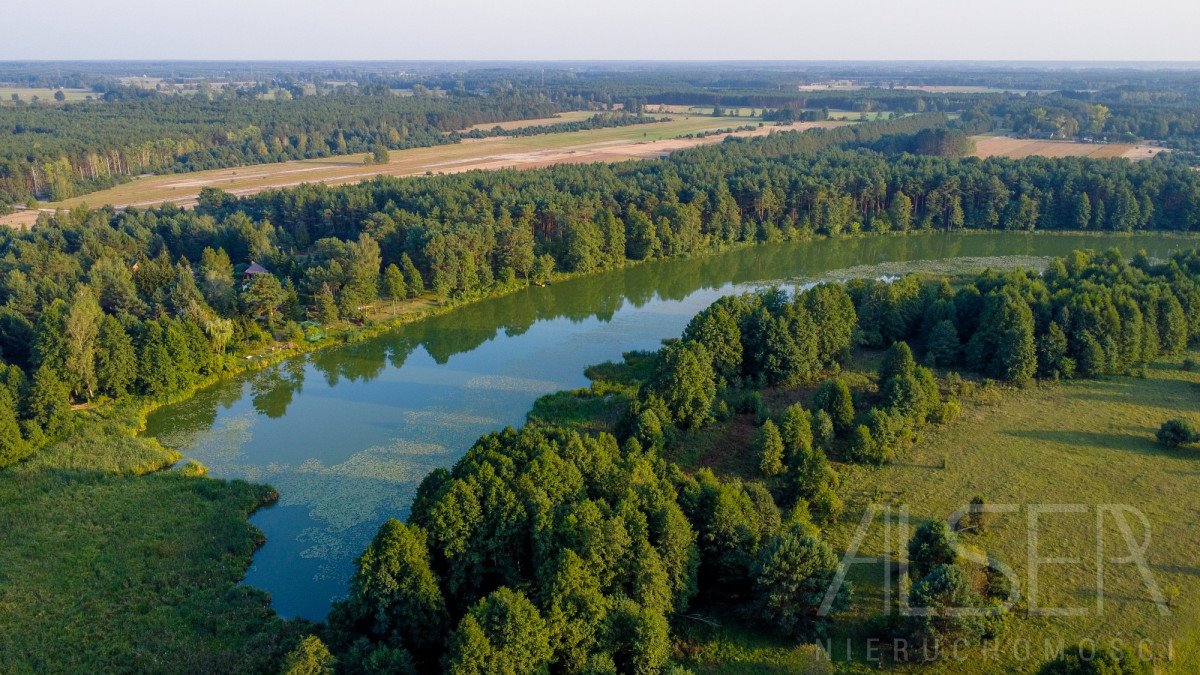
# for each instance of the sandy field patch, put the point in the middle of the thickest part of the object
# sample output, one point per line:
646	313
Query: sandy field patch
1018	148
642	141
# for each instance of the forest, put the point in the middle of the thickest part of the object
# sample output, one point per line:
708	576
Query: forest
99	304
55	152
552	550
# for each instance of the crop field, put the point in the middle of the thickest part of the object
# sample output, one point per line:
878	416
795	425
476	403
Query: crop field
612	144
1018	148
43	94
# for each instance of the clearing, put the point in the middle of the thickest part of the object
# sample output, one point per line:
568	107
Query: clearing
1018	148
641	141
43	94
573	116
1085	443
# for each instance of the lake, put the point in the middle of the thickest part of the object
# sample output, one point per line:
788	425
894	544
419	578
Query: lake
346	434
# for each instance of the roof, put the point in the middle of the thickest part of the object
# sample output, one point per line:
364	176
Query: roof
255	268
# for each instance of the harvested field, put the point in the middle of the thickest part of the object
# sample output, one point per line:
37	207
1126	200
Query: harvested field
643	141
1017	148
21	219
573	116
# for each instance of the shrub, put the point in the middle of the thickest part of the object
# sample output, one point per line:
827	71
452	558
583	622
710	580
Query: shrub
932	545
1176	432
750	403
1088	661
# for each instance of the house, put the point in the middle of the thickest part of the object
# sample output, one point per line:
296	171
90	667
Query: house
253	270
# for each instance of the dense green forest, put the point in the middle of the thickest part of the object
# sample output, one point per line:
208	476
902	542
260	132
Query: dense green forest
102	304
55	152
545	548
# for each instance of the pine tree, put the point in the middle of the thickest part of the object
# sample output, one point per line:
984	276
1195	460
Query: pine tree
393	284
770	449
412	277
116	360
49	401
834	398
795	427
943	347
13	446
791	578
82	329
326	306
396	591
933	544
684	379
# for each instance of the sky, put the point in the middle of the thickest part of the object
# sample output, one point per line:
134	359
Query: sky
1118	30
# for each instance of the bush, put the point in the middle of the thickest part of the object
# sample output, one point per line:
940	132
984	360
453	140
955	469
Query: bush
751	403
1087	661
310	657
1176	432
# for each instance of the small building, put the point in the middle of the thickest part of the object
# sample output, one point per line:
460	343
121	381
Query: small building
253	270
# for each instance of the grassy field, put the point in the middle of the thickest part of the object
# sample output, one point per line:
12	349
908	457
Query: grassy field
44	94
743	112
1085	442
855	116
112	561
595	145
573	116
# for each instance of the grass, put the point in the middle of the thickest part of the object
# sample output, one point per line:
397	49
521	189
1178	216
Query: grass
44	94
572	116
854	115
112	562
1085	442
1088	442
599	407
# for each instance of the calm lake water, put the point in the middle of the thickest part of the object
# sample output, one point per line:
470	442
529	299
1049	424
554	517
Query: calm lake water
347	434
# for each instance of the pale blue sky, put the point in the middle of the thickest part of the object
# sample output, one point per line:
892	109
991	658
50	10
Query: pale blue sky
601	29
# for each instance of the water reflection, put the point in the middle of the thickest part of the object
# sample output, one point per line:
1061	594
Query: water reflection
346	434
